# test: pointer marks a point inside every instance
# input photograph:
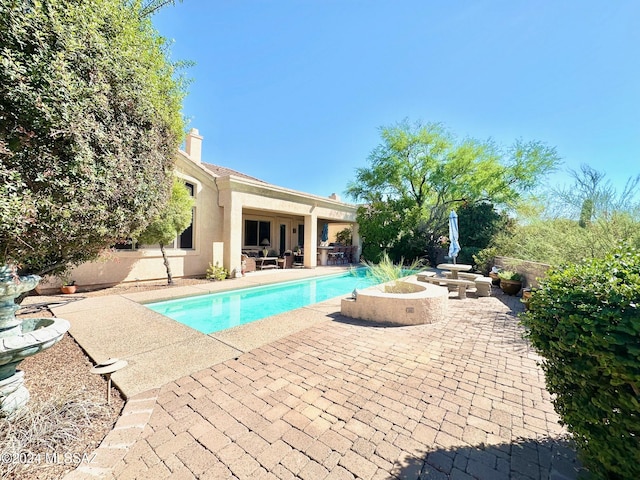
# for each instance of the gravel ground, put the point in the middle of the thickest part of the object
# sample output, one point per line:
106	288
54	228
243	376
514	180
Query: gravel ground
63	370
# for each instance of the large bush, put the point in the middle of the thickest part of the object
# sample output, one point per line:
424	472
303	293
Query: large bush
585	322
90	120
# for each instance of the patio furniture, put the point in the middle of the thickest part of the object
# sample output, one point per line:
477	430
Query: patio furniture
298	260
454	268
250	263
324	254
483	286
336	256
264	263
460	284
286	261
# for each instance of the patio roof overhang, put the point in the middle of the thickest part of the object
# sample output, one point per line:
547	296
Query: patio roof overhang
237	194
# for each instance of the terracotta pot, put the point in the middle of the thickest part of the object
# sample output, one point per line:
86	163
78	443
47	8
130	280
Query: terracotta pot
68	288
526	296
510	287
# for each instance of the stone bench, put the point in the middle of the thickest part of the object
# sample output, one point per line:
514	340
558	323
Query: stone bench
443	281
423	275
469	276
483	286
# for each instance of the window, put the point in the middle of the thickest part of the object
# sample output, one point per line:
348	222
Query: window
127	244
301	235
255	231
185	239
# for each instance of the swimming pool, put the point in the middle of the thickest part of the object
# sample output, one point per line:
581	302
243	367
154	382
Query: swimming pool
220	311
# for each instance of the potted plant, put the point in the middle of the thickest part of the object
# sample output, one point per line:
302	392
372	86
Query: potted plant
68	285
526	297
510	282
495	278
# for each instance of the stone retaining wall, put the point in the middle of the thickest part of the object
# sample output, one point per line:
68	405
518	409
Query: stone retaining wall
531	271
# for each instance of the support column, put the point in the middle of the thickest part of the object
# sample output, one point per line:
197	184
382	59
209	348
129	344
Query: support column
232	234
355	239
311	240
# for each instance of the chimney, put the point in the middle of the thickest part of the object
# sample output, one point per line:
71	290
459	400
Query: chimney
193	145
334	196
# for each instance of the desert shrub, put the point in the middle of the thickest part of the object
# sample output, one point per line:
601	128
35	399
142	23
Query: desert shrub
216	272
584	321
560	240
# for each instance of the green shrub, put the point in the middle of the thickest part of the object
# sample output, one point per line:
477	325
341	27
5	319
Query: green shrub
467	255
216	272
584	321
483	260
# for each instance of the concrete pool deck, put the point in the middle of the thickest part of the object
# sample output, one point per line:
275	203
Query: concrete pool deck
160	350
314	395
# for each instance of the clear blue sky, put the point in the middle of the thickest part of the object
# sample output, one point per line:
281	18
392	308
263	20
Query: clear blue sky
294	91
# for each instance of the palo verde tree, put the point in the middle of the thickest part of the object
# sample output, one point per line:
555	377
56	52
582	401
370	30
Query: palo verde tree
421	172
172	221
90	120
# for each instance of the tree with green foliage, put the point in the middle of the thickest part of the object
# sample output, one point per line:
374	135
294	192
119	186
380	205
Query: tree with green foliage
344	236
478	223
585	322
174	219
421	172
90	121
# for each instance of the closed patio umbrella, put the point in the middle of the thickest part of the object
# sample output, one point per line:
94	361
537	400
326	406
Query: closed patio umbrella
454	246
325	233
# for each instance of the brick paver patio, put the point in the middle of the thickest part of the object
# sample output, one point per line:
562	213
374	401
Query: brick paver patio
460	399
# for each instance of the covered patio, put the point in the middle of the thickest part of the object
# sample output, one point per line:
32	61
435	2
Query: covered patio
259	215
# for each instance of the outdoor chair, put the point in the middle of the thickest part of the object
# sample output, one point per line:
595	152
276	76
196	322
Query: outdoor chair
288	259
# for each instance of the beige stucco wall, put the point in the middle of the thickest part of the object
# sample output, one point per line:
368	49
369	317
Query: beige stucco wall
221	206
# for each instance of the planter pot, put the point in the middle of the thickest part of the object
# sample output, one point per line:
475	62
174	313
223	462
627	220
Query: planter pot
68	289
495	279
526	297
510	287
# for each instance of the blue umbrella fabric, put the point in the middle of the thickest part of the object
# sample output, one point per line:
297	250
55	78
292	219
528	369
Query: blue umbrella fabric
325	233
454	246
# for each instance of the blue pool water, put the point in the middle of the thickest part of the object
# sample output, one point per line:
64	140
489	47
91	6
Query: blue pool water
219	311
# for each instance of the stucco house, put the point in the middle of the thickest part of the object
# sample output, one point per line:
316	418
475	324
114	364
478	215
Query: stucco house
233	213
